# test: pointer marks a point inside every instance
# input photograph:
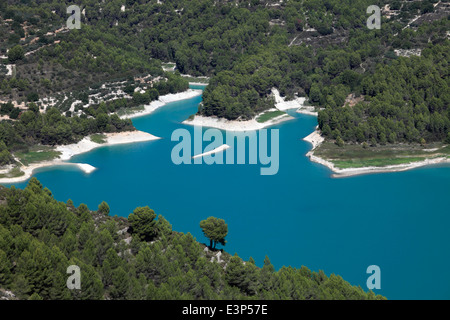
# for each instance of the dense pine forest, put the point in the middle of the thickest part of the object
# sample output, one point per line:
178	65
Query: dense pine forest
53	127
320	49
404	101
136	258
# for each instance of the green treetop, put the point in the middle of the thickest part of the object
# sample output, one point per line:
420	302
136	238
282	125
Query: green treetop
215	230
142	223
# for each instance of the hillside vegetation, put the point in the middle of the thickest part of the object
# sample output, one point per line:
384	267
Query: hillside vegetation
136	258
320	49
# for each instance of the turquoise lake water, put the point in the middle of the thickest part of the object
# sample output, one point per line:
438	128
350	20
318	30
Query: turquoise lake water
300	216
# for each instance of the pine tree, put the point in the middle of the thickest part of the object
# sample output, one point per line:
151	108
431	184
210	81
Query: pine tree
103	242
103	208
235	272
267	275
35	296
5	269
215	230
120	284
21	287
142	223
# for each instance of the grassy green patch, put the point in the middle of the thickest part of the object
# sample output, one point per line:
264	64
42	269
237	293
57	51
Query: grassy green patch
98	138
330	150
37	154
356	163
355	156
445	150
13	173
266	116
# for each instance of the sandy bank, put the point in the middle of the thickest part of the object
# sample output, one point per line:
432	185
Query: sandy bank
197	80
339	173
316	139
198	83
307	110
163	100
298	103
28	170
235	125
85	145
283	105
250	125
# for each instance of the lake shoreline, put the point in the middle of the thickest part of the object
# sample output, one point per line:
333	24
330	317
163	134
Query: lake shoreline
235	125
316	140
253	124
85	145
162	101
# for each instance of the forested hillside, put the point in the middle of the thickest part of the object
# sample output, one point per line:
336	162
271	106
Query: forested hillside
58	85
320	49
136	258
404	101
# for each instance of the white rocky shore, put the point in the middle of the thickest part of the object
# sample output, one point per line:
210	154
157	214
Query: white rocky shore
249	125
85	145
316	139
163	100
196	82
340	173
298	103
235	125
